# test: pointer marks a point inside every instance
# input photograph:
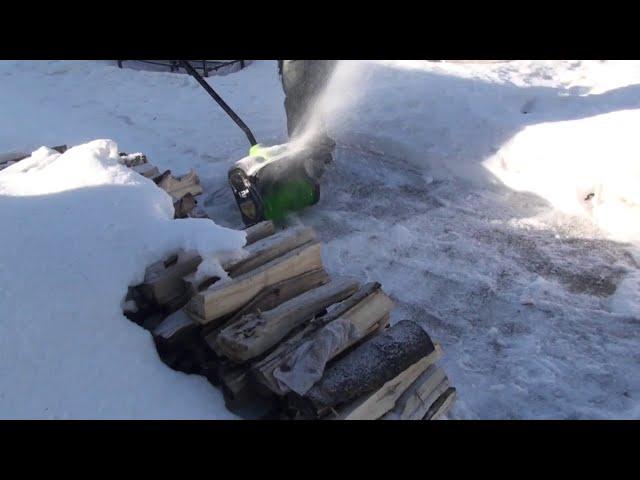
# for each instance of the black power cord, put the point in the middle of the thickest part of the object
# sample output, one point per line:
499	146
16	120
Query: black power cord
194	73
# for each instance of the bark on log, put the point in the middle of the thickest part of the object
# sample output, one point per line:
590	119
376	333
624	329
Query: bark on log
184	206
442	405
255	334
369	366
269	299
179	187
175	329
259	231
164	283
374	406
414	403
222	299
367	311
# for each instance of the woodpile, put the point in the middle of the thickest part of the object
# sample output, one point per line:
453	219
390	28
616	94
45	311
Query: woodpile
280	332
283	333
182	189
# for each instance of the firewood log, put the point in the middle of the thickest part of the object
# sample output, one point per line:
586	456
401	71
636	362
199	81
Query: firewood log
179	187
269	248
183	206
442	405
146	170
375	405
403	348
414	403
259	231
226	297
163	280
367	311
256	333
270	298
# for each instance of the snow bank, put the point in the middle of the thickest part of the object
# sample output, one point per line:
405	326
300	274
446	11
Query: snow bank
585	167
77	229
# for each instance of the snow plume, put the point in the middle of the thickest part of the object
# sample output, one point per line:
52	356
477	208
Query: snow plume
77	229
341	91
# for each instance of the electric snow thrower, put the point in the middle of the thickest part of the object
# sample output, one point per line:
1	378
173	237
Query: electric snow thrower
271	181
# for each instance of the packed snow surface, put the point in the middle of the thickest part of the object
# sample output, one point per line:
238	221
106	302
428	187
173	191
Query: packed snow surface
496	202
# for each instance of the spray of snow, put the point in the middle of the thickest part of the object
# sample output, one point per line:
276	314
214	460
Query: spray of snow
339	94
77	229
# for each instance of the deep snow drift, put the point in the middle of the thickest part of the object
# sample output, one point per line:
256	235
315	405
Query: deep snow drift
77	229
458	186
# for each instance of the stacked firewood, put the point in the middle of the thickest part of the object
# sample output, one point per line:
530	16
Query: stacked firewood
182	189
282	330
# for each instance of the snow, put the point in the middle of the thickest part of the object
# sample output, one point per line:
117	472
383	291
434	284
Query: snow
78	228
461	187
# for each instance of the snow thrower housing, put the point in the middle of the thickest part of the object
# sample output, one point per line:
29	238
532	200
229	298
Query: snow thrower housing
273	181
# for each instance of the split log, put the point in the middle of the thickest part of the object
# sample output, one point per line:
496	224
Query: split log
256	333
374	406
234	383
403	348
146	170
365	312
414	403
163	280
270	298
442	405
179	187
259	231
222	299
174	330
180	346
269	248
183	206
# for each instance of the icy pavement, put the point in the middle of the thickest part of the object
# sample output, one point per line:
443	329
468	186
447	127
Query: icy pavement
537	308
